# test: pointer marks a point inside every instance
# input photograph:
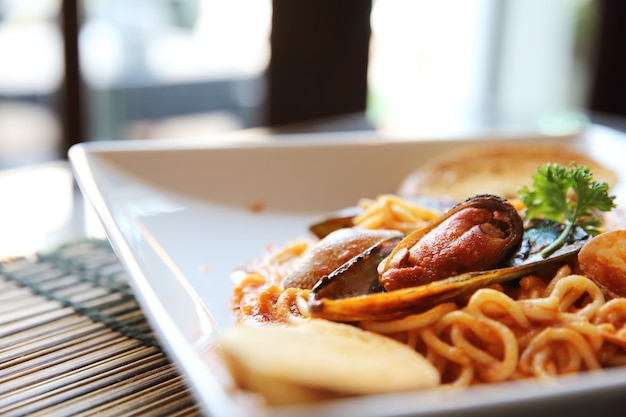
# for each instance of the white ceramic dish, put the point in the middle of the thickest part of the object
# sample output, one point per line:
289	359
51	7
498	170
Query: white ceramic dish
182	215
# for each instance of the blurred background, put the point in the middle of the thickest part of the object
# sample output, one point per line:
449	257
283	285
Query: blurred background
74	71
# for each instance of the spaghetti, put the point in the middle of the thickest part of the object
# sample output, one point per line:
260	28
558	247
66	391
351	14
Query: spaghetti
541	326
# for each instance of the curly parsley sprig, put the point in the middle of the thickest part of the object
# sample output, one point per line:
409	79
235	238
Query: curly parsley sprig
566	195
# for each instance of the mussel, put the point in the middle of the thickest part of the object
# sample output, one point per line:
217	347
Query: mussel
477	243
406	301
473	236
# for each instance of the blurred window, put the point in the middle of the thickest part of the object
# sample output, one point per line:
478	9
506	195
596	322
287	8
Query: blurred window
31	71
171	68
190	68
439	66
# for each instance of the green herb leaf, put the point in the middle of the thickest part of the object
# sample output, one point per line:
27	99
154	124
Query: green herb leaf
567	195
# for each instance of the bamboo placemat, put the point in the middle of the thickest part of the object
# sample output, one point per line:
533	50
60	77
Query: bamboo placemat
73	340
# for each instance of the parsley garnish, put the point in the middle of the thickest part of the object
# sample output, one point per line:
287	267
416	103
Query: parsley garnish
566	195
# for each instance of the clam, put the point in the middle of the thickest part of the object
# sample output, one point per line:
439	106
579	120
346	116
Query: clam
603	259
359	275
332	251
478	243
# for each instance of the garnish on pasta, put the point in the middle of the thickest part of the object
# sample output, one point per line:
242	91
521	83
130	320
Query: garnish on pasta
568	195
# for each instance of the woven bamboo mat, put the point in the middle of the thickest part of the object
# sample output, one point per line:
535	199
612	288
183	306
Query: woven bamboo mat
73	340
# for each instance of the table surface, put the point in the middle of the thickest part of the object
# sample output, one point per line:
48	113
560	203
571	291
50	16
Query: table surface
73	340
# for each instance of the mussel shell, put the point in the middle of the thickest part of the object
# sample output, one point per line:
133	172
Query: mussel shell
403	302
347	296
338	220
539	234
501	209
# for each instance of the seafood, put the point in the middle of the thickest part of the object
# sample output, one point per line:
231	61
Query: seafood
603	259
359	275
333	251
487	225
406	301
473	236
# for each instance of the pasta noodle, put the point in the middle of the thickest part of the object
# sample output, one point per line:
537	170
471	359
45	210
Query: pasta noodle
541	326
391	212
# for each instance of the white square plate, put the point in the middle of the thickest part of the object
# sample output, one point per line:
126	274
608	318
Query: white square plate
182	215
